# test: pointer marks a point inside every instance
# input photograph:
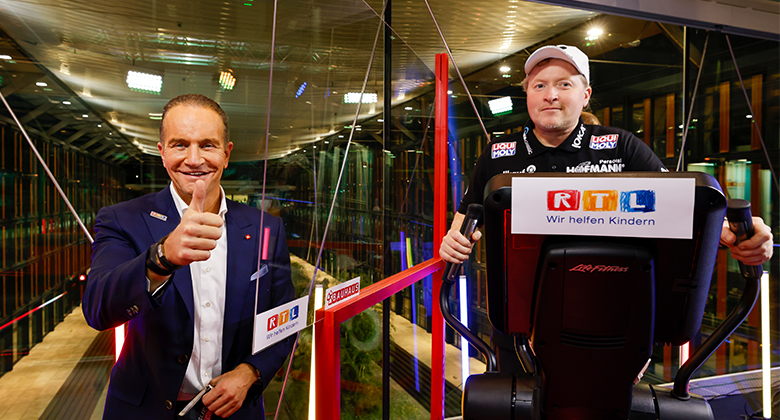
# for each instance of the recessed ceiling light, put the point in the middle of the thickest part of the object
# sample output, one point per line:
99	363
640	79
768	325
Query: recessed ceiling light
66	102
41	84
144	82
85	115
6	57
504	69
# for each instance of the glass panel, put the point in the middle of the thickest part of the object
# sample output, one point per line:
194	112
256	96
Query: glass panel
361	371
101	146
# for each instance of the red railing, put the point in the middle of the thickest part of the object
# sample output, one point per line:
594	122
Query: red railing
327	325
327	330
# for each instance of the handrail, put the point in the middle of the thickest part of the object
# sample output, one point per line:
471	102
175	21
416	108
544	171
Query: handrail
327	328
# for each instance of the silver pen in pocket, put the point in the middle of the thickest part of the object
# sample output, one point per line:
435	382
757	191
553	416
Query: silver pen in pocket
195	400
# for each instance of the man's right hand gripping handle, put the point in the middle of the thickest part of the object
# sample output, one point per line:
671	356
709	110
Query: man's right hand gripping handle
467	229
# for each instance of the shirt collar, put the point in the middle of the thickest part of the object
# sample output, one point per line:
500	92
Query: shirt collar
182	206
573	143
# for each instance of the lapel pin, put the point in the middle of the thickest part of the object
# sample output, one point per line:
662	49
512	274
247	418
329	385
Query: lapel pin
158	216
248	237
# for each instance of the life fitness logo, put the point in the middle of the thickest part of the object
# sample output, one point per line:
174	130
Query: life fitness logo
503	149
282	318
636	201
589	268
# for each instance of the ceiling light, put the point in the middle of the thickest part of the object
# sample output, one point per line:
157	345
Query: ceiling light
300	90
504	69
354	97
6	57
408	108
595	32
500	106
144	82
66	102
227	80
449	92
41	84
85	115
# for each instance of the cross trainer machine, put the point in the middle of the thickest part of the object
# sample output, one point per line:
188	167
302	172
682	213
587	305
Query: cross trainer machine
583	336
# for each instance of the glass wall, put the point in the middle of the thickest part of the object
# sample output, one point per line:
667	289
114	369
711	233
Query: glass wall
44	251
353	181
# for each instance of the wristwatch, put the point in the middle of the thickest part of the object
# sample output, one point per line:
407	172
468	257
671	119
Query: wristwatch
161	256
156	261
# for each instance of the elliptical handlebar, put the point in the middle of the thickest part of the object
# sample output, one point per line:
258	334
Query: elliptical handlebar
468	227
741	223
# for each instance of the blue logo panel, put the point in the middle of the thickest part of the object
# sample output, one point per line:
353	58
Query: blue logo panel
637	201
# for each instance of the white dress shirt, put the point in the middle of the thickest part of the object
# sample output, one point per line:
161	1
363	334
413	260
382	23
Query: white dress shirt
209	279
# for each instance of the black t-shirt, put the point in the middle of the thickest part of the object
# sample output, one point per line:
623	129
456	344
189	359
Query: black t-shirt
589	148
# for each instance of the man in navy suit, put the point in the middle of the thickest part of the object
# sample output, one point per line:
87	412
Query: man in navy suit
181	267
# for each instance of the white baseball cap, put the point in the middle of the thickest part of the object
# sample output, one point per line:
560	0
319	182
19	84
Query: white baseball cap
567	53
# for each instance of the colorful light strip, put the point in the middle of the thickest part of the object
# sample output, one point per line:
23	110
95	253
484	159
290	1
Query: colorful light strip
32	310
464	319
766	355
410	264
318	301
119	341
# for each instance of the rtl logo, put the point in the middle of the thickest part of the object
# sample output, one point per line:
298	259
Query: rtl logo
642	201
282	318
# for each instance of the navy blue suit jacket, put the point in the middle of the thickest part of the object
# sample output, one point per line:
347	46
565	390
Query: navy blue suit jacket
146	379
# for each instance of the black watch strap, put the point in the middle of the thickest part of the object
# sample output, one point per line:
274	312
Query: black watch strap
161	256
152	264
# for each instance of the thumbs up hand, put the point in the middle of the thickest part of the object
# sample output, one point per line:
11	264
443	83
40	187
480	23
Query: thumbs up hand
197	233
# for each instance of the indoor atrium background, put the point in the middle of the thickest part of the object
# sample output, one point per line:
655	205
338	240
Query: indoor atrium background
353	181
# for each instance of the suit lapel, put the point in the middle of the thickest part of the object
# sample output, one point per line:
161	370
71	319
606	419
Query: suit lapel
241	262
161	219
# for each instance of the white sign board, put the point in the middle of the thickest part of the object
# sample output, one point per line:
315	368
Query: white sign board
633	207
343	292
278	323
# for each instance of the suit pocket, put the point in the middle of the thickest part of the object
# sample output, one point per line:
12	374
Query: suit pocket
259	273
127	388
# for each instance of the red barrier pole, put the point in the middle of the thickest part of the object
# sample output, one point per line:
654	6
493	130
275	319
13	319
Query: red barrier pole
439	230
327	366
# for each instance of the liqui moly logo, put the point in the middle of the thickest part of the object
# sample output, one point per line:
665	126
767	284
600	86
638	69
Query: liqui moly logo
636	201
608	141
503	149
283	317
